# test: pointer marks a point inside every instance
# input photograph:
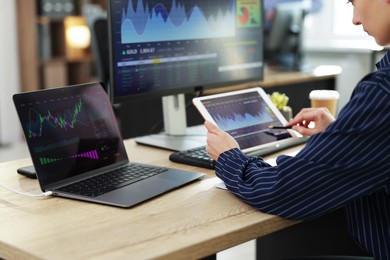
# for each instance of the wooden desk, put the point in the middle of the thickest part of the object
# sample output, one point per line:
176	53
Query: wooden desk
192	222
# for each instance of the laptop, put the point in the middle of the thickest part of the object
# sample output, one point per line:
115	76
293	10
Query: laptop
78	152
248	116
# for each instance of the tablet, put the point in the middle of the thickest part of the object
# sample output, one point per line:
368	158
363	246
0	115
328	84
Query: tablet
246	115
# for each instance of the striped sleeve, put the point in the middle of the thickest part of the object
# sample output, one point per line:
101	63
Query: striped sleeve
346	165
349	160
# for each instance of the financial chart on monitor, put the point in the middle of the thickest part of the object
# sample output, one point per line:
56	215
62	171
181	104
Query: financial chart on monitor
166	45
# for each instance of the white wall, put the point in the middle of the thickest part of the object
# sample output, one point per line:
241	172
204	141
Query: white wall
331	39
10	129
354	66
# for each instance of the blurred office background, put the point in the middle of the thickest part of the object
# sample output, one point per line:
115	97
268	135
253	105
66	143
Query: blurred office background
36	51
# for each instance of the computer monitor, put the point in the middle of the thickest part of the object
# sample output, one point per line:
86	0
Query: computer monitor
167	48
283	38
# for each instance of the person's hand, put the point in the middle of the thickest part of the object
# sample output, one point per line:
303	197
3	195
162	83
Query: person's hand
218	141
318	118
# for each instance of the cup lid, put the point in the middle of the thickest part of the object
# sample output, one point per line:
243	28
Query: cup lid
324	94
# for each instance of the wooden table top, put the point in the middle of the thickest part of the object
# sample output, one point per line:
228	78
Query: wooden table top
188	223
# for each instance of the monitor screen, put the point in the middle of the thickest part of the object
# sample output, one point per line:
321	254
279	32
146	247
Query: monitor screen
165	47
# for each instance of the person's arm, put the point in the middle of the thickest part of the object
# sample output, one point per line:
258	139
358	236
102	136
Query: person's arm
346	161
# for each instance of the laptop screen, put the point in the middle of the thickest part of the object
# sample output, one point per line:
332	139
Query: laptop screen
69	131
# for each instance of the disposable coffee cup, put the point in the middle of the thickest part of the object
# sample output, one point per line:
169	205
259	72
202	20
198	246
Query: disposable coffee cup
325	98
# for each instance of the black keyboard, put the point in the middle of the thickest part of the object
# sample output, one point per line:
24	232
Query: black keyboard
200	158
109	181
196	157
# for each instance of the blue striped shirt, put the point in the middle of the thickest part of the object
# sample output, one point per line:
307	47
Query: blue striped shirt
347	165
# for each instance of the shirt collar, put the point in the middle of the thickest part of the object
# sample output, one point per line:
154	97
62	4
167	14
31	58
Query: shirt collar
384	62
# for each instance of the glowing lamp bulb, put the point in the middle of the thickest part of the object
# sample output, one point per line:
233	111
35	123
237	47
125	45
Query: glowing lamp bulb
78	36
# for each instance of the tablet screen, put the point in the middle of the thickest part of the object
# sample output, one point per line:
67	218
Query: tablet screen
246	116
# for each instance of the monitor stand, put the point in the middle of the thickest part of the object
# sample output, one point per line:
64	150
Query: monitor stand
194	137
177	137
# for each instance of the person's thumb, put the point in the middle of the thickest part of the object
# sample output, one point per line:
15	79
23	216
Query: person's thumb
211	127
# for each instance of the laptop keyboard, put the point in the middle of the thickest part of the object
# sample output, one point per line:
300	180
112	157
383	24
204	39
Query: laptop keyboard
200	158
109	181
